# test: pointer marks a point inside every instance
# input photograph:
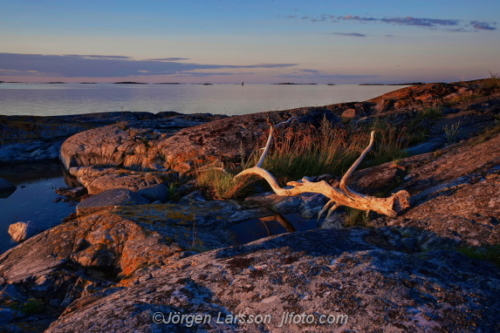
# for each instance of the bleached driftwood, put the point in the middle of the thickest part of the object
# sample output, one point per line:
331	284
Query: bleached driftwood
339	196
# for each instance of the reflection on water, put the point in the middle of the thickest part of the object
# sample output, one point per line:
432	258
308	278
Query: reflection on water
63	99
34	198
251	230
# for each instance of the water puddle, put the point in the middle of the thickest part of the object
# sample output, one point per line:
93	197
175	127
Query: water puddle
254	229
34	199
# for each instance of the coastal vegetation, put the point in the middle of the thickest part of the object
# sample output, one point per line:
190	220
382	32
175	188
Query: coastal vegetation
489	253
330	149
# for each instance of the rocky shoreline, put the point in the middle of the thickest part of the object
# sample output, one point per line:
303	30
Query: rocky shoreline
145	244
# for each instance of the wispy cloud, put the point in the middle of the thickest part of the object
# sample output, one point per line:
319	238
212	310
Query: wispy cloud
312	74
16	72
348	34
420	22
424	22
351	18
169	59
72	66
97	56
483	25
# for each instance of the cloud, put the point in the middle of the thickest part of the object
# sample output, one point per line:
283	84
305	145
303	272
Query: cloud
97	56
267	66
15	72
423	22
169	59
420	22
214	74
352	18
310	74
350	34
71	66
483	25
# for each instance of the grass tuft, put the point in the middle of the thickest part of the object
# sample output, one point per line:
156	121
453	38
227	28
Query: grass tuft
355	217
309	151
490	253
33	306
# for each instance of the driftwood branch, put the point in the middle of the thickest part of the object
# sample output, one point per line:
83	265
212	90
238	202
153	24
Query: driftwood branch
339	196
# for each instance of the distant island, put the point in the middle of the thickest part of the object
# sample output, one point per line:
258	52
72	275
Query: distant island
294	84
393	84
129	82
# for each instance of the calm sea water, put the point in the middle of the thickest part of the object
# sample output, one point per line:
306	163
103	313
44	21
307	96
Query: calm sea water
63	99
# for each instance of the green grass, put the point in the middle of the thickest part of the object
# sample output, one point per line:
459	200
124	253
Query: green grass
451	132
355	217
173	191
418	127
33	306
217	183
490	253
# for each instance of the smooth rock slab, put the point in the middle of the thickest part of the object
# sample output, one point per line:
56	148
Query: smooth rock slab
321	272
108	199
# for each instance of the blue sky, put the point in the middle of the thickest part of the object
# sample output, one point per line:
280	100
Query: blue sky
258	41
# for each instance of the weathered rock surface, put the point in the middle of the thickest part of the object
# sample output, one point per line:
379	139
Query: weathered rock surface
323	272
30	151
109	199
99	179
32	138
72	193
455	193
85	256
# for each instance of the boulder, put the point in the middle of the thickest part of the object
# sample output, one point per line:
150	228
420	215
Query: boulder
350	113
157	192
20	231
72	193
109	199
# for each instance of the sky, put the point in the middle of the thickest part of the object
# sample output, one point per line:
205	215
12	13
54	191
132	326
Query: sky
257	41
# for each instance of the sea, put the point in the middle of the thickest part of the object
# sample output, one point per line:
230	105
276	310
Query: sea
229	99
35	200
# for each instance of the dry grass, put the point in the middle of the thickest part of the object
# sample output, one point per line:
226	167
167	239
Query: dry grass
310	151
